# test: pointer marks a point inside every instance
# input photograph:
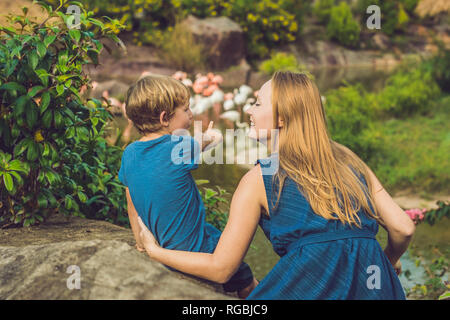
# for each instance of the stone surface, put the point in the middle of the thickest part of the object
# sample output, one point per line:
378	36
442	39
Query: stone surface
223	40
35	260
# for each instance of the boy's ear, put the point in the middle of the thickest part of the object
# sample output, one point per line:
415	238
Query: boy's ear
163	119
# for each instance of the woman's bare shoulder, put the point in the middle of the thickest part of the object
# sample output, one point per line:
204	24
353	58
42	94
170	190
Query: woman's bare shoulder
251	187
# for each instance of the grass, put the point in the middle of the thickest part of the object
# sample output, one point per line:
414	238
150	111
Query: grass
421	146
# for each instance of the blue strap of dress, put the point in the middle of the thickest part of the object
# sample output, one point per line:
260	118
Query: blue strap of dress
330	236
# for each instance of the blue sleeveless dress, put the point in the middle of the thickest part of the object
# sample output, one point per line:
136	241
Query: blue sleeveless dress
320	258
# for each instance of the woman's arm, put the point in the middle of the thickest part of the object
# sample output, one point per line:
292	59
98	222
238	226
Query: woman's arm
133	216
220	266
399	226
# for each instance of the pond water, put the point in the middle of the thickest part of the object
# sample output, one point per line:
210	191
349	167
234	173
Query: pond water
261	256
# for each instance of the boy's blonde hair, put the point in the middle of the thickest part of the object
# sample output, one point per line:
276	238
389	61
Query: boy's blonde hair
150	96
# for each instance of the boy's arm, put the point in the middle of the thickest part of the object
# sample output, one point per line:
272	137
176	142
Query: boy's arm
133	216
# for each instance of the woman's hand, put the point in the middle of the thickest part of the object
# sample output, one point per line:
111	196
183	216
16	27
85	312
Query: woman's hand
398	267
147	239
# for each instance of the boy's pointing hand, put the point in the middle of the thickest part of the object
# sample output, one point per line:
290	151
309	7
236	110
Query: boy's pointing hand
211	136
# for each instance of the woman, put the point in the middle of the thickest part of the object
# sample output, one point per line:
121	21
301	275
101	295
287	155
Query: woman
316	209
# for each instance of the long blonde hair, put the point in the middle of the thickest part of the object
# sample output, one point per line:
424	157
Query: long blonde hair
307	155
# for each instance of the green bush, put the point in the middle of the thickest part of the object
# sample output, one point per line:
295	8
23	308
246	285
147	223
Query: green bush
176	40
215	214
53	156
322	9
439	66
350	116
408	92
280	62
342	27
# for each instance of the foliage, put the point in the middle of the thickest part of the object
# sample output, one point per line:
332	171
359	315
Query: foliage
408	92
265	23
213	200
53	156
434	215
420	146
179	39
342	26
371	124
350	120
434	287
439	66
322	9
280	61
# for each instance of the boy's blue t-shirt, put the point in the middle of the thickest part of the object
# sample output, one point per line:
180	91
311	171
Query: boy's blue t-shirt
158	175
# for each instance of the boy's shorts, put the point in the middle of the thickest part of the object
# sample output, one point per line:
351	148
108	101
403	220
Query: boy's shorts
240	280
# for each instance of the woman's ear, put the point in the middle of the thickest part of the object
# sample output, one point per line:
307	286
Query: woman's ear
163	119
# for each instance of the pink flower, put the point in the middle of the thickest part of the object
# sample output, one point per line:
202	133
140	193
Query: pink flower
416	214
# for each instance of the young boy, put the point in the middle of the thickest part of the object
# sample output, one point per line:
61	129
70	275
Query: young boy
156	170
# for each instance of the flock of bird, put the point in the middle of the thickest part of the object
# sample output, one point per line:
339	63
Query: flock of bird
207	94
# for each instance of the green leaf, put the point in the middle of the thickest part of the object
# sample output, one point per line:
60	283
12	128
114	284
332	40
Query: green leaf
13	86
31	116
45	101
58	119
201	182
46	150
19	108
43	76
42	201
49	40
27	222
82	197
75	34
21	147
93	55
16	165
47	118
41	49
34	90
32	151
10	67
17	176
62	58
70	132
68	202
7	179
33	59
60	89
445	296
